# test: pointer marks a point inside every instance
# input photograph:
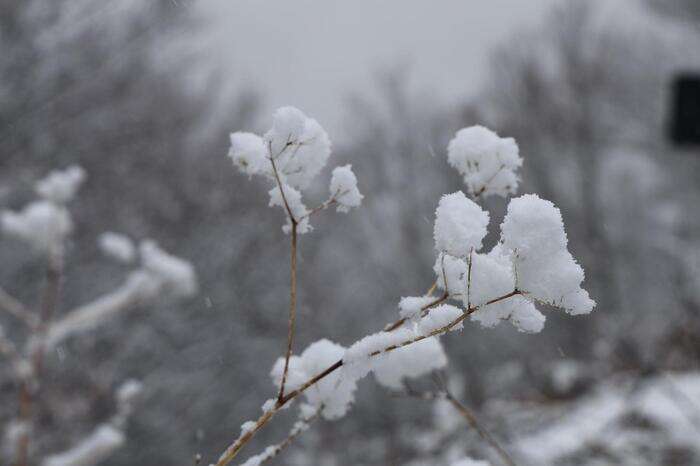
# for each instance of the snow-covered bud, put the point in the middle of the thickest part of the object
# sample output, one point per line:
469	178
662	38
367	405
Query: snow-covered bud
177	275
299	146
60	186
460	225
43	224
487	162
344	190
117	246
249	154
533	233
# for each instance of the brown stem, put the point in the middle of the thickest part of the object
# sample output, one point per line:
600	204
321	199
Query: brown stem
233	449
423	310
293	280
292	309
15	308
296	431
483	433
30	383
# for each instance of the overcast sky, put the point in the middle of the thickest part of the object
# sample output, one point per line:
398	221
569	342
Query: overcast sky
311	53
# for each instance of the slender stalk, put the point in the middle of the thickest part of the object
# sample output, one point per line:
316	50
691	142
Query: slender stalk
483	433
292	309
31	382
293	281
15	308
230	453
423	310
299	427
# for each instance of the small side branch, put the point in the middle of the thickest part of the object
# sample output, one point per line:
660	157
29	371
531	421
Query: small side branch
272	451
15	308
292	309
30	385
293	280
232	451
483	433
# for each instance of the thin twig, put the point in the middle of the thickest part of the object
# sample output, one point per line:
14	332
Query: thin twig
423	311
293	280
323	206
15	308
483	433
299	427
292	309
30	384
232	451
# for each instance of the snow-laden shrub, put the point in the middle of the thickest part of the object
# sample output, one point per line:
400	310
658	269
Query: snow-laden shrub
530	265
46	225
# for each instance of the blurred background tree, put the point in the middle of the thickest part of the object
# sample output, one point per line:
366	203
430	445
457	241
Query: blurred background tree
125	90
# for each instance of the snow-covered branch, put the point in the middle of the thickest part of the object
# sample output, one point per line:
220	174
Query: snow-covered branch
46	224
530	264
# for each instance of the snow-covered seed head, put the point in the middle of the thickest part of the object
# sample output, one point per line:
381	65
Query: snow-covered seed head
249	154
176	275
43	224
343	188
60	186
117	246
487	162
334	393
460	225
299	146
533	234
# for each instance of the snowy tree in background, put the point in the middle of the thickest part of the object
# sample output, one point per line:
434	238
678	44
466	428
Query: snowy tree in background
529	266
46	225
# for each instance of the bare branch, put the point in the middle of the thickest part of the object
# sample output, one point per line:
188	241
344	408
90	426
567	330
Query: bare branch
18	310
293	277
232	451
94	313
299	427
29	385
483	433
292	309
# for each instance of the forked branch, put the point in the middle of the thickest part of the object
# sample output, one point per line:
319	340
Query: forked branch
232	451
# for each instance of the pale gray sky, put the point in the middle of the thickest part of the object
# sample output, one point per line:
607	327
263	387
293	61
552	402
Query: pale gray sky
311	53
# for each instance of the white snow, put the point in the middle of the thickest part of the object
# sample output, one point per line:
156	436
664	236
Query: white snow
249	154
533	233
117	246
177	275
440	316
60	186
344	190
290	155
91	450
411	361
454	271
296	206
470	462
460	225
334	392
487	162
43	224
299	146
411	306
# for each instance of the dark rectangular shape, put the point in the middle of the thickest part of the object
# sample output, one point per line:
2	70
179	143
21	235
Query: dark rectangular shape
685	116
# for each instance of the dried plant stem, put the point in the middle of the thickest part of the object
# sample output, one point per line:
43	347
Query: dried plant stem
423	311
483	433
30	383
332	200
299	427
292	309
235	447
293	282
15	308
